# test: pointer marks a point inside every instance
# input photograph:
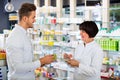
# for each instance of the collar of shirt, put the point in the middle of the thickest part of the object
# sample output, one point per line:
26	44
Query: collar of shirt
90	43
21	28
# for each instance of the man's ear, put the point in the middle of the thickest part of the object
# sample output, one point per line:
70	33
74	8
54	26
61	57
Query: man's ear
25	18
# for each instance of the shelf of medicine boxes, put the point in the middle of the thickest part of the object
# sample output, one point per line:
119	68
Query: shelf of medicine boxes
13	16
13	19
50	42
110	42
2	58
104	32
49	34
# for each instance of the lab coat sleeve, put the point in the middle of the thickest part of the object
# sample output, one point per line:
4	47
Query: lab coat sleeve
95	67
15	58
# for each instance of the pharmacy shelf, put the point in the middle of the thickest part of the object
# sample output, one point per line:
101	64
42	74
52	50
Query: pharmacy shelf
72	44
3	73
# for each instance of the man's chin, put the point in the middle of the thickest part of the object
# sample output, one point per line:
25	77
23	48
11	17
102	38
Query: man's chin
30	26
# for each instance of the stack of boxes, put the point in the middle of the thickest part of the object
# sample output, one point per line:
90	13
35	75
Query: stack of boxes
109	44
3	67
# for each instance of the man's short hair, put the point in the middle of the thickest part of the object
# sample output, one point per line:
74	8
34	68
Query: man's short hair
26	9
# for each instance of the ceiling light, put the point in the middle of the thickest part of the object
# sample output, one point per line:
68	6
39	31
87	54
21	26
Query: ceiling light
9	6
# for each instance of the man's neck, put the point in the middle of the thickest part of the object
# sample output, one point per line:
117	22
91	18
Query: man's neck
22	24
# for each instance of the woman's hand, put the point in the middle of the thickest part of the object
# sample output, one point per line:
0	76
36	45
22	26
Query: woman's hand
73	63
67	56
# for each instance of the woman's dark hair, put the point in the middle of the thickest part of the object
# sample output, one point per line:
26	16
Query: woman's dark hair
26	9
89	27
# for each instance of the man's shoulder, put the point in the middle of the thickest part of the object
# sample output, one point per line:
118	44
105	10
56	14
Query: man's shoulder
14	37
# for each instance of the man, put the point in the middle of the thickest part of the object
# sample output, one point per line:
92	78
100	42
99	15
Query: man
19	49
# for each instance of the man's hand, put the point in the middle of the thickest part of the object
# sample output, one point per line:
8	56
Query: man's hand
47	59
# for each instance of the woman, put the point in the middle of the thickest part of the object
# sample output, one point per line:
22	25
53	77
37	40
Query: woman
88	56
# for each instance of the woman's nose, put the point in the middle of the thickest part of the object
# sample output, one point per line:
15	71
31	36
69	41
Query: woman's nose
34	20
80	33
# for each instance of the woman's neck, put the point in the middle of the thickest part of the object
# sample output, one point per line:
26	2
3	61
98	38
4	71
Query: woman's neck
88	40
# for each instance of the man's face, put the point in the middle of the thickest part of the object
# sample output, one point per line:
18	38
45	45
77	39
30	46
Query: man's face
31	19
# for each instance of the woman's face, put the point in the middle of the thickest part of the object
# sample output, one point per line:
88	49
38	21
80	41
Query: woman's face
84	36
